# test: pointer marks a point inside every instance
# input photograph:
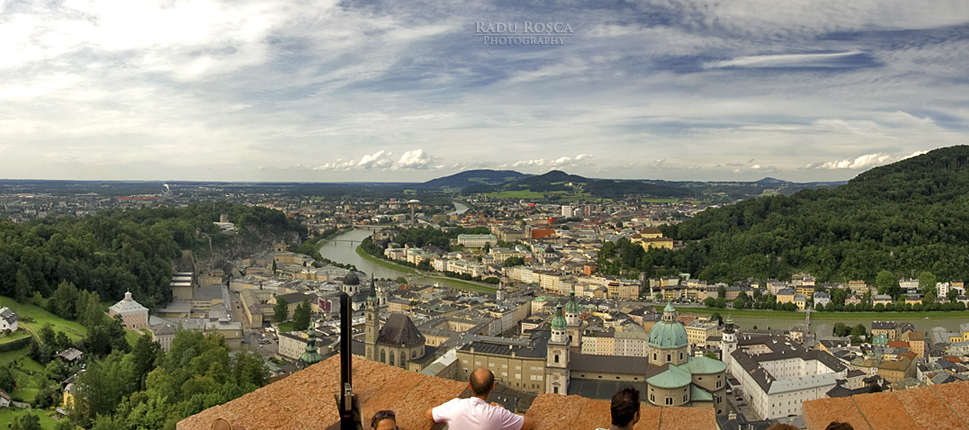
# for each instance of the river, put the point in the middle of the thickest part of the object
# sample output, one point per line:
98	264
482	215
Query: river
340	250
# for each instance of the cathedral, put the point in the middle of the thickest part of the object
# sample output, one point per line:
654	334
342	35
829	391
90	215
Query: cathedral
397	342
668	376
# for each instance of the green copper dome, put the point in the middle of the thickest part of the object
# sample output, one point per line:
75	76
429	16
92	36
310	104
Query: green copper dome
558	322
572	307
668	333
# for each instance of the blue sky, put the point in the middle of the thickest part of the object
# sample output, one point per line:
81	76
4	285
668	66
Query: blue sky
326	91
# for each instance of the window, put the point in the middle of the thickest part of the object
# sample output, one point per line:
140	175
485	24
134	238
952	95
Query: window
684	398
669	357
719	383
669	400
556	390
681	356
391	358
556	358
652	398
654	357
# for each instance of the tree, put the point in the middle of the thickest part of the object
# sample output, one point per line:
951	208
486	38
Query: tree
927	282
274	267
720	303
840	329
27	421
721	292
301	315
716	317
144	355
885	281
514	261
7	381
281	310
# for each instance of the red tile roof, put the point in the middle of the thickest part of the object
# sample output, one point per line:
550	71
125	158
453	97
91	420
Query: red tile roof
305	400
934	407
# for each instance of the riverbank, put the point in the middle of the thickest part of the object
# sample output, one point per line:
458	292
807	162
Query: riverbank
449	282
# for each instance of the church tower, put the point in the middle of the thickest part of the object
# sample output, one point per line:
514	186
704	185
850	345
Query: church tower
728	341
557	358
372	324
572	320
500	295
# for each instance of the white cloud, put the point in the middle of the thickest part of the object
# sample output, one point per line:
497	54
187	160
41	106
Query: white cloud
861	162
787	60
556	163
415	159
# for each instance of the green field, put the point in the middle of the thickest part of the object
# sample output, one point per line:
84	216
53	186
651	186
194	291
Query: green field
20	334
286	327
7	416
40	317
444	280
516	195
660	200
28	373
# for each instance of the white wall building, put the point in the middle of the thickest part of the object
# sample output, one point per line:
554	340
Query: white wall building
8	319
777	376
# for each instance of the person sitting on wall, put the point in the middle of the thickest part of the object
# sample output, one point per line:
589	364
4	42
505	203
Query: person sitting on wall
475	413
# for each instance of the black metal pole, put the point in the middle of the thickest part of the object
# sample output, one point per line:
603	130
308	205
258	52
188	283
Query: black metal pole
347	421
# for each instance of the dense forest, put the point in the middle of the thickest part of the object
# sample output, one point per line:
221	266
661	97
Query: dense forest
122	250
904	218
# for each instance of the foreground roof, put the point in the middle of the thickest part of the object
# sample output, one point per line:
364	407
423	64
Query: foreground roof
932	407
304	400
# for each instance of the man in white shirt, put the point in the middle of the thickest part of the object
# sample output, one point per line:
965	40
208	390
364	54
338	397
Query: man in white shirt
475	413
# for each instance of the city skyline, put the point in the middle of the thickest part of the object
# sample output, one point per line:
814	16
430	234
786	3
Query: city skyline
383	92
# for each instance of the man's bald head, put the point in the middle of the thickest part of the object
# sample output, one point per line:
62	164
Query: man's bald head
482	381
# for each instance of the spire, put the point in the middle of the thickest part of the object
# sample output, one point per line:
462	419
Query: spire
311	356
372	297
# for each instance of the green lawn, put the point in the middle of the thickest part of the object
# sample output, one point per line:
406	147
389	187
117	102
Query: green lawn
286	327
40	317
7	416
28	373
20	334
516	195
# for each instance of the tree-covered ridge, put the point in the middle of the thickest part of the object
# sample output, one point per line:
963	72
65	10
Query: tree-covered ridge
120	250
905	218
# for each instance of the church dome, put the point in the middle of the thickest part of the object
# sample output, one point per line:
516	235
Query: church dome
571	307
668	333
558	322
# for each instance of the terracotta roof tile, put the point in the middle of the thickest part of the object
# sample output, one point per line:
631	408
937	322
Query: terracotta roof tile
594	414
556	410
956	397
687	419
928	409
819	413
649	417
305	401
883	411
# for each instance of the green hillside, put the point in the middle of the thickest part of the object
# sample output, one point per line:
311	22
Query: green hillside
907	217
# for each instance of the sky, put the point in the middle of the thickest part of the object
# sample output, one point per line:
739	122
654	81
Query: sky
392	91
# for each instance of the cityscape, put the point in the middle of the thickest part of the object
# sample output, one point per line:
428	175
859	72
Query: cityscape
663	215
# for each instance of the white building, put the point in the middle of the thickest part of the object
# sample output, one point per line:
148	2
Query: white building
776	375
8	319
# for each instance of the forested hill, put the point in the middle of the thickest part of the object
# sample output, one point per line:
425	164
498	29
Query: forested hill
116	251
907	217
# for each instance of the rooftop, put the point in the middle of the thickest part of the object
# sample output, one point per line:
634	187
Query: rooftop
305	400
933	407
